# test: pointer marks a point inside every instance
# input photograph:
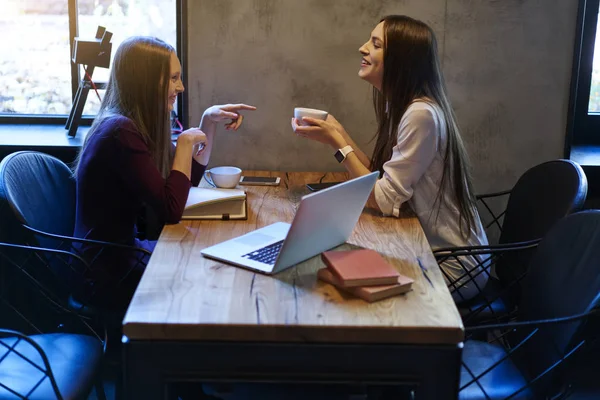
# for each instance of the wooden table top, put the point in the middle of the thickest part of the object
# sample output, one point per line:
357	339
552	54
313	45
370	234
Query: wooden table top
184	296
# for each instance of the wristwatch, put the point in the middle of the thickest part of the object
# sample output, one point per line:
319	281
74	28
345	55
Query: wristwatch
342	153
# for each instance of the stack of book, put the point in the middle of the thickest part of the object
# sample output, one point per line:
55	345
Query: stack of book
363	273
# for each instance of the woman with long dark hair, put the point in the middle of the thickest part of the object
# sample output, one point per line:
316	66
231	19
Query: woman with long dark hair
418	148
128	158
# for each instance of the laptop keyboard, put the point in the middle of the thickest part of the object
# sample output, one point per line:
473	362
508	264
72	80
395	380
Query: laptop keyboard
267	254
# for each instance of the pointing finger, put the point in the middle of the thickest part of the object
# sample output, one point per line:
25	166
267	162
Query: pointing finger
239	107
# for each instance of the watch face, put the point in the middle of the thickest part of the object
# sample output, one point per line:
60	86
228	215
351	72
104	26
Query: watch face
339	156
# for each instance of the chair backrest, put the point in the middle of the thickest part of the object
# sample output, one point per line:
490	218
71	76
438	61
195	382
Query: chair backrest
542	196
40	191
563	280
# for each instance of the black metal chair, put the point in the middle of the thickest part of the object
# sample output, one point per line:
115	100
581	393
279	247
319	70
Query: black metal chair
542	196
560	296
37	204
49	366
65	362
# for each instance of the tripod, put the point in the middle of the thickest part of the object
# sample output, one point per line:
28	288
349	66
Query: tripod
90	54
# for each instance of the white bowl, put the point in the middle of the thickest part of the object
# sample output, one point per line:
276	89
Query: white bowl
300	112
223	177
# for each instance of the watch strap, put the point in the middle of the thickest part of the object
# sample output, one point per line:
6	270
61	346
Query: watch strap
342	153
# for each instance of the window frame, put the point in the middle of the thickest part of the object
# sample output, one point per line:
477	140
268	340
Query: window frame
52	119
583	128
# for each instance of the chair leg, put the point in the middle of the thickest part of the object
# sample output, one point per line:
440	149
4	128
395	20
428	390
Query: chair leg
119	385
99	386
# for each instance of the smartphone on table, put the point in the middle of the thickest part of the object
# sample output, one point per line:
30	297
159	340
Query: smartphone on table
315	187
260	180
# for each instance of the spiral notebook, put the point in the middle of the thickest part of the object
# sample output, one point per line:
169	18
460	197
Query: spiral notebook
208	203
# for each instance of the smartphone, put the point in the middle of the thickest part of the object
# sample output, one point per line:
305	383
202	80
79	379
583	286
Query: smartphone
260	180
315	187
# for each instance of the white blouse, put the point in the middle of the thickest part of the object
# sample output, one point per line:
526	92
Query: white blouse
414	174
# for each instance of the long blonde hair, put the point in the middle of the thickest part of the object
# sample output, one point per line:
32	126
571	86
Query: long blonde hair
138	89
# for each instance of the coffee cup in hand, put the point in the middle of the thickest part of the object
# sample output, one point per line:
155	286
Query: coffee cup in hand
223	177
300	112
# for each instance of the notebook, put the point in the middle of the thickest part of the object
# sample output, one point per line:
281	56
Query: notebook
362	267
369	293
208	203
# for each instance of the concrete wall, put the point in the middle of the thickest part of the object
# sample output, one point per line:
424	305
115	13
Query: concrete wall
507	64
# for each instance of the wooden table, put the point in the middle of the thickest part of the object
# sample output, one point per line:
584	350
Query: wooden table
193	318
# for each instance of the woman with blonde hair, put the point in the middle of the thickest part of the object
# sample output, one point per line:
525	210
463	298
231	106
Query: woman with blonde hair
128	158
418	150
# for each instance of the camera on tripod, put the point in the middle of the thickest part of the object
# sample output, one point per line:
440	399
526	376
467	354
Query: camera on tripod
89	53
95	52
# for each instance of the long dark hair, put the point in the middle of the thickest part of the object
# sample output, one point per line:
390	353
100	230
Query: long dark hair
412	71
137	89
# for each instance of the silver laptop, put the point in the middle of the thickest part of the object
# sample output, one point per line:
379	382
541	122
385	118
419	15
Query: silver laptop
324	220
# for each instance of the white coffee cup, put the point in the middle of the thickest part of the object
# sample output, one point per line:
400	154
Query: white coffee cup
300	112
223	177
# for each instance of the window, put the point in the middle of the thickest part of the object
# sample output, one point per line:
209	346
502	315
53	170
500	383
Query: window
35	72
594	101
37	78
584	108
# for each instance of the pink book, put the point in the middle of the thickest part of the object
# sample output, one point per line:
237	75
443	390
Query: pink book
369	293
360	268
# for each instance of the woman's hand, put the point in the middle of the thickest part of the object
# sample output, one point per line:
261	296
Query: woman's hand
194	138
216	114
188	142
330	131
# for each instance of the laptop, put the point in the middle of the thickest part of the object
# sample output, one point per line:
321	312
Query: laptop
324	219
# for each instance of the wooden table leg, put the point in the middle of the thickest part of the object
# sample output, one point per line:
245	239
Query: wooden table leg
442	379
142	374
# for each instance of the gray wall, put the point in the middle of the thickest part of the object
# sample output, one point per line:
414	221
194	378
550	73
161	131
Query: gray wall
507	65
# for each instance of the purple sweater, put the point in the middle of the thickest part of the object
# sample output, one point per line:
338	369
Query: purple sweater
116	175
